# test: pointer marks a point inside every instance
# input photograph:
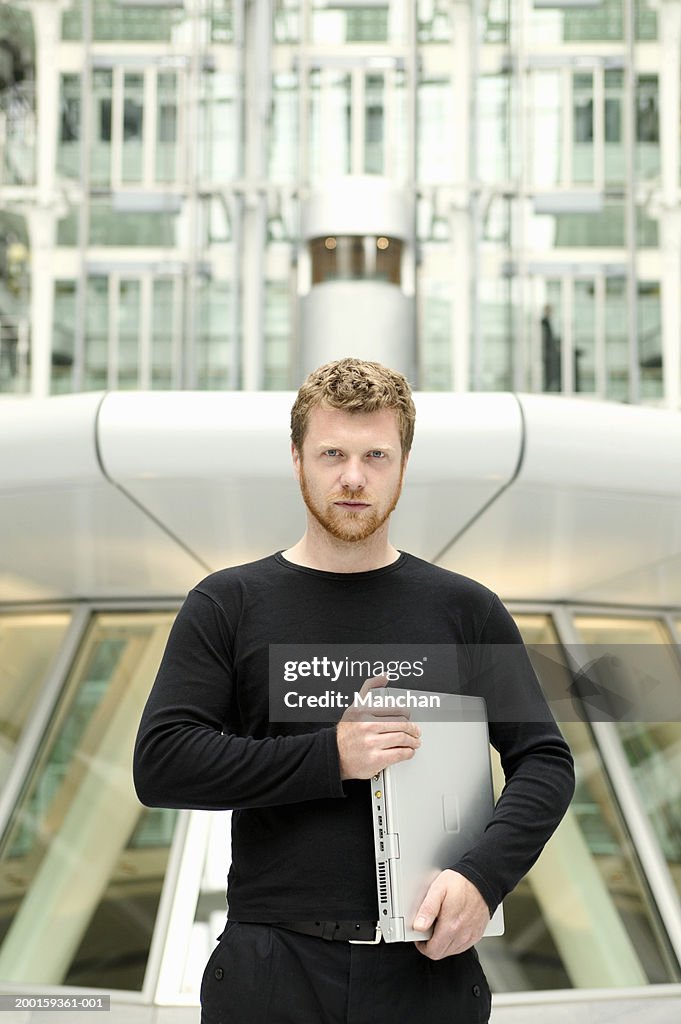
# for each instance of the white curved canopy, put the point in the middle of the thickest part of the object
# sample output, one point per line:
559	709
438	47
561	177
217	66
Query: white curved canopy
141	494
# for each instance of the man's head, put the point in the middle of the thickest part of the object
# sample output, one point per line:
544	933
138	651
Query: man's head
355	385
351	431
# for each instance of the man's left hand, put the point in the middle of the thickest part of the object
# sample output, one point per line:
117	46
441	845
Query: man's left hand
459	912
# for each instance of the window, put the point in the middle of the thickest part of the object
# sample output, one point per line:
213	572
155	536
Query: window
68	155
283	136
648	154
214	338
582	128
81	862
435	130
652	748
63	335
356	258
582	918
28	646
330	115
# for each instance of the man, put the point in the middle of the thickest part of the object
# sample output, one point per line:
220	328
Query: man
302	882
551	357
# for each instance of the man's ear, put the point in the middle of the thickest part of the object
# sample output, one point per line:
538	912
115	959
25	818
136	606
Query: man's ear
295	456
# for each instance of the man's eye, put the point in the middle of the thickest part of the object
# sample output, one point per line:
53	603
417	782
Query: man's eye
377	453
331	451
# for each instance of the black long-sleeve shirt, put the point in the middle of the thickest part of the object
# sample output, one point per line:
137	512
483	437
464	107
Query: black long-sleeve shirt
302	839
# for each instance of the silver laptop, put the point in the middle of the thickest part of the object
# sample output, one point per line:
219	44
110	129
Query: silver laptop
430	810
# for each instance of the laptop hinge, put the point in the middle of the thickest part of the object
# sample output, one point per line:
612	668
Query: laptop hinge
396	929
392	846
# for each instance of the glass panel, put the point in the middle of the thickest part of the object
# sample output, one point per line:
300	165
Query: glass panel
211	909
435	130
166	126
133	123
497	21
114	227
128	316
601	23
81	863
68	153
221	148
582	917
646	20
373	124
221	21
551	337
649	314
436	315
547	121
284	131
277	335
15	294
163	329
602	230
399	162
493	133
582	128
19	129
63	335
100	154
616	339
584	321
112	21
496	320
287	21
329	123
613	129
367	24
354	25
653	749
434	21
648	154
28	645
96	333
214	341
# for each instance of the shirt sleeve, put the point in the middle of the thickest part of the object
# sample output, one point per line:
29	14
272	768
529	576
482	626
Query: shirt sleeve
537	763
185	757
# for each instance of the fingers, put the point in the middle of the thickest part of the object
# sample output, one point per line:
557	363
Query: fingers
365	748
460	914
359	712
372	684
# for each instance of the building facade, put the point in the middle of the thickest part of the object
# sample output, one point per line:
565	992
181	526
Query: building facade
160	161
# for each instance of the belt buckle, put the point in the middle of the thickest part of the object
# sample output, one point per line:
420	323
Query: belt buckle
368	942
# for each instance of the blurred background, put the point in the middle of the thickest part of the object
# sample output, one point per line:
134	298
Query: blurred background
200	202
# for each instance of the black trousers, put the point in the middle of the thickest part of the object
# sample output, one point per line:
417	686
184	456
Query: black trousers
261	974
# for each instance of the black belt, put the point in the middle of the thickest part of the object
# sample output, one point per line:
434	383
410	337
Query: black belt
342	931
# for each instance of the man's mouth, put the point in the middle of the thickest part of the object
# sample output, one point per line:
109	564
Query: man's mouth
352	504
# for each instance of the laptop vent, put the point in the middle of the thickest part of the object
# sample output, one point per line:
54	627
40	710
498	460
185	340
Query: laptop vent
382	883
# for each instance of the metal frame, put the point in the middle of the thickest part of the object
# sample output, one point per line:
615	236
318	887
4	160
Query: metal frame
48	699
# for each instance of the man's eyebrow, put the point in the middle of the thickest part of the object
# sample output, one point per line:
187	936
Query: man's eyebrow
370	448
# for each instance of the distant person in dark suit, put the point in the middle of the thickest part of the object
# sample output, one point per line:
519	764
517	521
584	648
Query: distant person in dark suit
550	345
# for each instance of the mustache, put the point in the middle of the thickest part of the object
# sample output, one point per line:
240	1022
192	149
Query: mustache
364	498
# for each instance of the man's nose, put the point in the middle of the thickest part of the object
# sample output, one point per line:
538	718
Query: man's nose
353	476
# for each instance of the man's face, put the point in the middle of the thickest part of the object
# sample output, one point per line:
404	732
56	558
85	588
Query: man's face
350	470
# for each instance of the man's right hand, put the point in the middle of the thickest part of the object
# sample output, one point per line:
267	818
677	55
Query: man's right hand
370	739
